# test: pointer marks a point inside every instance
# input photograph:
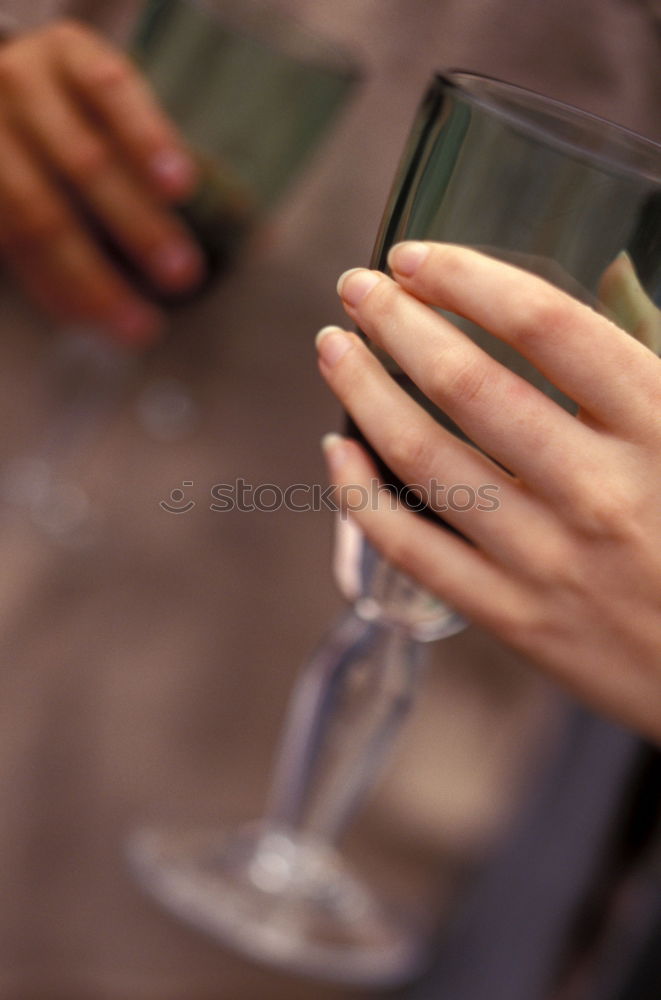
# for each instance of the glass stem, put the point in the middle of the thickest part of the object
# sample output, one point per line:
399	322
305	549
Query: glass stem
344	715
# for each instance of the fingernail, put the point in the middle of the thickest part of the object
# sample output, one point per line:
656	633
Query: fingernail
332	344
335	451
354	284
136	324
179	264
174	169
406	258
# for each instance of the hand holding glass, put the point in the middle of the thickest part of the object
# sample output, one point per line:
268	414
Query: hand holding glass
251	95
561	194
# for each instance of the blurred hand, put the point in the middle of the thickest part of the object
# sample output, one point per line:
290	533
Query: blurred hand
567	569
86	149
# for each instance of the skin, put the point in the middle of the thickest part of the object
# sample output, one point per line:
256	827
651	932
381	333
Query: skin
567	569
82	140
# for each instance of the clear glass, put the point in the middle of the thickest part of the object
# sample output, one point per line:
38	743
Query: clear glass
546	187
253	94
278	890
560	193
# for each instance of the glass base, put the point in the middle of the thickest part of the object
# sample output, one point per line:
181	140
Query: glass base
279	898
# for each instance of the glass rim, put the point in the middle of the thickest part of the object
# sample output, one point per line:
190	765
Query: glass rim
621	148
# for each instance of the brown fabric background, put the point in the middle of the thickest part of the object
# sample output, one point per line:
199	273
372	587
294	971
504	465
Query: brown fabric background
147	677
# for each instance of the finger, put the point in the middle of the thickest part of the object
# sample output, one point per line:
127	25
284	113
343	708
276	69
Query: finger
71	286
532	621
501	412
479	499
604	370
116	91
442	562
43	241
149	233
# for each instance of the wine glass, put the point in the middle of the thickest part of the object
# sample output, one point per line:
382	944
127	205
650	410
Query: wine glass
553	190
253	94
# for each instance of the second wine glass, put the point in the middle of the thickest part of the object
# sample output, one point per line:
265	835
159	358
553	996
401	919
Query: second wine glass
252	94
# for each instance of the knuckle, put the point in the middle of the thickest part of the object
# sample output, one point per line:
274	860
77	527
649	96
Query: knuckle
86	159
381	303
460	378
523	616
454	263
607	514
410	453
527	627
33	224
151	230
543	314
111	72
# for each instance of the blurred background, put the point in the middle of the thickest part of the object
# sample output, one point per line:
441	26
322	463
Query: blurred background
145	674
